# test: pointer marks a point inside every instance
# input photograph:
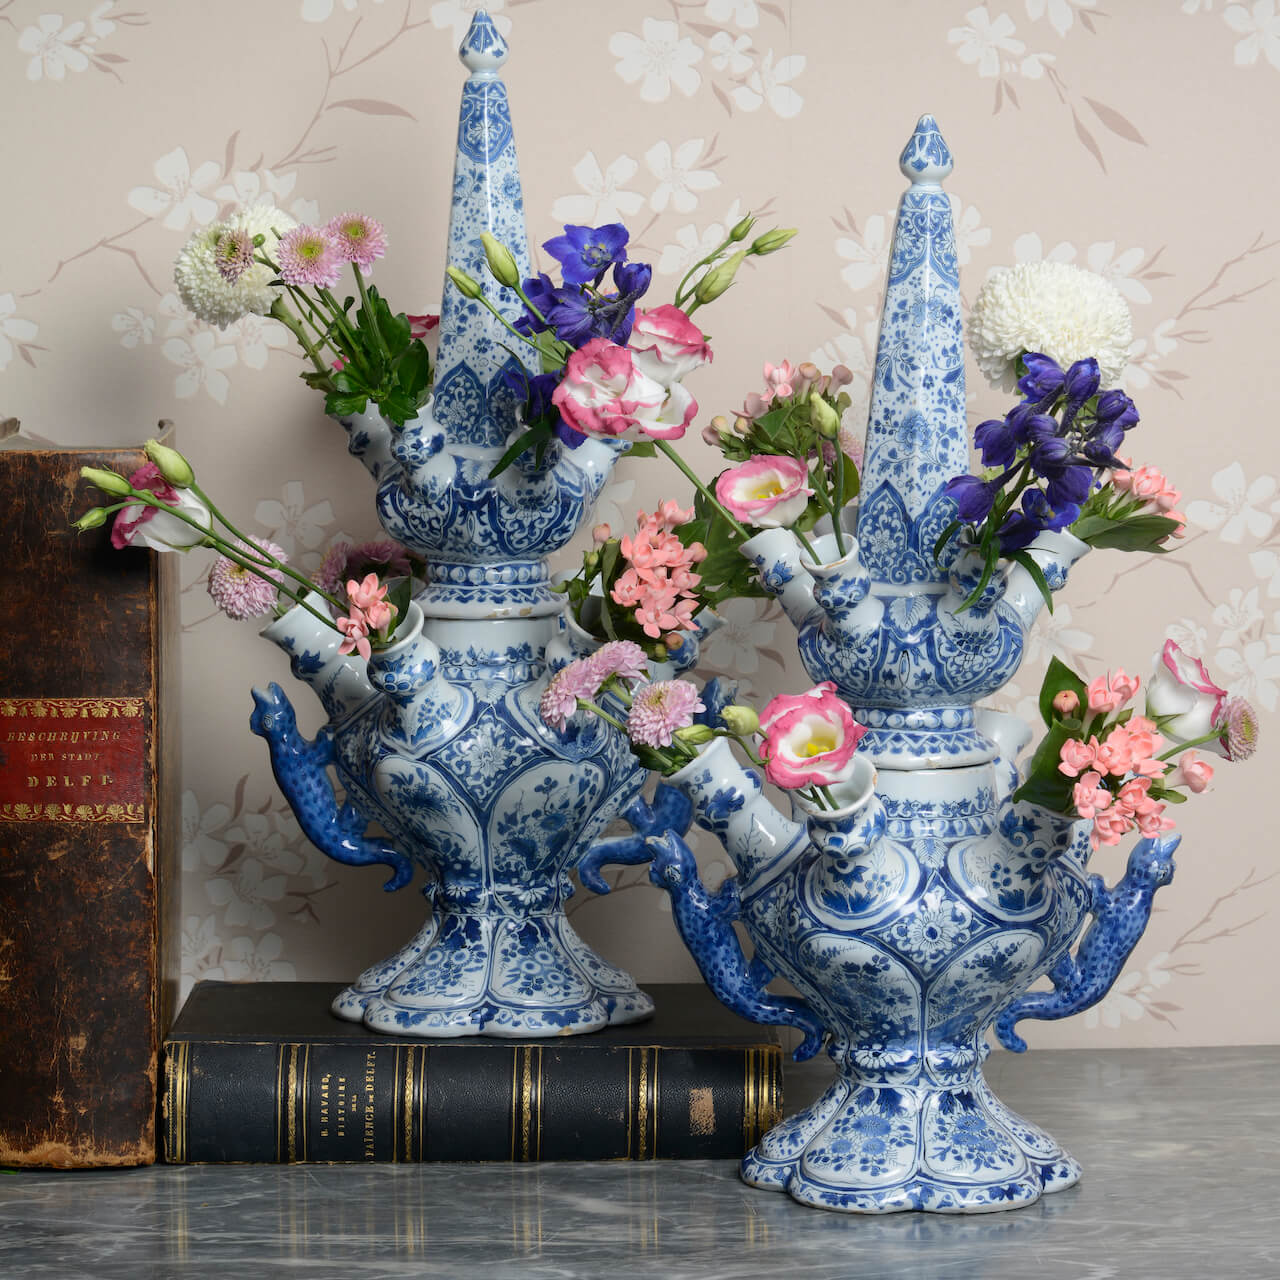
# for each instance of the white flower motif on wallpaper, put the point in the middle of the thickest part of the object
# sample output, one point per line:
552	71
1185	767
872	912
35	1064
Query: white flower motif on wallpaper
770	83
17	335
320	10
691	244
865	251
747	635
54	46
679	178
291	523
604	196
246	894
1259	25
134	326
1242	506
202	362
659	58
178	199
258	960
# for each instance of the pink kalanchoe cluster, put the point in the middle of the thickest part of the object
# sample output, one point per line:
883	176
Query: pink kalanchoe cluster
786	382
369	613
357	238
659	582
1108	693
659	710
242	593
309	256
1154	490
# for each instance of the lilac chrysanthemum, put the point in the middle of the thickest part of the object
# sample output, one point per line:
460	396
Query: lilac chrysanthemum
360	239
560	698
242	593
332	574
234	253
309	256
382	554
659	709
622	658
1240	729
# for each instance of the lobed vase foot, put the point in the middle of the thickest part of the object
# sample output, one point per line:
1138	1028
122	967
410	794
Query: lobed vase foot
888	1148
467	975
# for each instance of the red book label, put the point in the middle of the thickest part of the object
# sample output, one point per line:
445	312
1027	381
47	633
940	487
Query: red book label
72	760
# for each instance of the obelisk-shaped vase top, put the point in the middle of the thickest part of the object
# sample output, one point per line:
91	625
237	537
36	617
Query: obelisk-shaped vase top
472	403
916	435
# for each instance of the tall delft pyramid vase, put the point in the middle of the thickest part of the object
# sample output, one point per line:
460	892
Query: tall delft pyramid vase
438	739
918	914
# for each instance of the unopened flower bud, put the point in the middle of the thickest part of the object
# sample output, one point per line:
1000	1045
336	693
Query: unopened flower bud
841	376
107	481
468	287
601	534
591	561
1066	702
741	228
718	279
711	436
825	420
740	720
501	261
695	735
771	241
742	425
173	466
94	518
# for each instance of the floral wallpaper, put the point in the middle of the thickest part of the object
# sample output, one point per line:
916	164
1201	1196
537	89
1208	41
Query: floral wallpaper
1129	138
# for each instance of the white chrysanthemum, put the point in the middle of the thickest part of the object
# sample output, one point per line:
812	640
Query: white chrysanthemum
202	286
1057	309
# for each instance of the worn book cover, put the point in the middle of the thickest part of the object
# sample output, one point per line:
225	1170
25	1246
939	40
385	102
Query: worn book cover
263	1073
89	794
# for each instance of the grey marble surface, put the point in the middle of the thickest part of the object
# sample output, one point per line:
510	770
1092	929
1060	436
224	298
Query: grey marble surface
1181	1150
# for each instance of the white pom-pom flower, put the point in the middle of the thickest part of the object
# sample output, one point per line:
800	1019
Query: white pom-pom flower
1059	310
202	286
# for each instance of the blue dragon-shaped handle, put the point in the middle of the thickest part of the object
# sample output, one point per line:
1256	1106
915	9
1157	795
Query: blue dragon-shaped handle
300	766
1120	917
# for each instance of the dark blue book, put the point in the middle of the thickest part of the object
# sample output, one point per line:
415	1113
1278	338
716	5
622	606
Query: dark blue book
262	1073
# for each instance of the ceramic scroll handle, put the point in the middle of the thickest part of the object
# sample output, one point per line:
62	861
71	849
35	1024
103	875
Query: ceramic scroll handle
300	767
1120	918
705	923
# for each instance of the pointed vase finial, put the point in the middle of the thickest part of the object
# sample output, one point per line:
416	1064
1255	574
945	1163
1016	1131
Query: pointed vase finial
916	433
472	403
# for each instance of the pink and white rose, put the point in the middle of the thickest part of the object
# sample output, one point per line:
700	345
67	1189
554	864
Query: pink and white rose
605	393
1182	690
667	345
809	739
768	491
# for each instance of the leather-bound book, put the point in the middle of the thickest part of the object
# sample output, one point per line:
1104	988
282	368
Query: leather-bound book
89	812
262	1073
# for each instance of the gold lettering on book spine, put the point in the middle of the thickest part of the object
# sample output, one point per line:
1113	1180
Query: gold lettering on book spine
291	1105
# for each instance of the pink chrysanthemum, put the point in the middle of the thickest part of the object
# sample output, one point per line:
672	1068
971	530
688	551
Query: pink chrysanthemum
309	255
622	658
359	238
332	572
233	253
659	709
560	698
390	558
1240	729
241	593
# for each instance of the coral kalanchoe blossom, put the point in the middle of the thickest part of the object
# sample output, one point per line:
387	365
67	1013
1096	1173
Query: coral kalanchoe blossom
241	593
358	238
309	256
660	709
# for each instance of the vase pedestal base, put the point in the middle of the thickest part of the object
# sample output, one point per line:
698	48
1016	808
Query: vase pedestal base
882	1148
493	975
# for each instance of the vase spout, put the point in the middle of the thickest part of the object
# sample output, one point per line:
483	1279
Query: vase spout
778	560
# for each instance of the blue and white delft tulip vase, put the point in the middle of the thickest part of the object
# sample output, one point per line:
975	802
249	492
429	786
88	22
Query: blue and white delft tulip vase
919	913
438	738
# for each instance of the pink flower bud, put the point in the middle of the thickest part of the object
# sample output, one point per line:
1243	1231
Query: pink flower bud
1066	702
601	534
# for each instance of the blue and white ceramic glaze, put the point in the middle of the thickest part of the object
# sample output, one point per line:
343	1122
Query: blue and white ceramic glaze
438	739
918	914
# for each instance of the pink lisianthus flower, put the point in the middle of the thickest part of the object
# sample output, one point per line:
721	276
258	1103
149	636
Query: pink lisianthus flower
143	526
1192	772
767	491
357	238
660	709
420	326
1110	692
355	632
809	739
666	345
309	256
1184	700
604	393
559	699
241	593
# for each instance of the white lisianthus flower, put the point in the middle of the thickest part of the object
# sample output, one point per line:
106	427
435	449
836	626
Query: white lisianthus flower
202	285
1061	311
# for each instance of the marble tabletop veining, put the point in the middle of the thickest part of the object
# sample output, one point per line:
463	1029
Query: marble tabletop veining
1181	1150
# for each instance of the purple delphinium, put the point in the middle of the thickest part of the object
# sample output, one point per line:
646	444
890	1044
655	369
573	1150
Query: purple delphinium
576	314
535	390
586	253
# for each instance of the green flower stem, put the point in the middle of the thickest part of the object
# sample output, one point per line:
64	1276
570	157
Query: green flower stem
507	323
702	488
280	311
835	508
584	705
681	295
1215	735
349	333
323	332
748	747
533	311
804	542
368	310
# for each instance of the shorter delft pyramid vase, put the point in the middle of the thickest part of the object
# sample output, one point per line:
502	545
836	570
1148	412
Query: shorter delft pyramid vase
918	914
438	738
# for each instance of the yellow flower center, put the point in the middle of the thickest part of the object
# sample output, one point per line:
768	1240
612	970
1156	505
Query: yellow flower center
770	488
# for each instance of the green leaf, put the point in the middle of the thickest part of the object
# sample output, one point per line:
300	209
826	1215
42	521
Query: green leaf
1057	678
345	380
944	537
852	483
517	447
1037	576
988	569
413	369
642	449
1132	533
398	407
1045	785
343	406
399	596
